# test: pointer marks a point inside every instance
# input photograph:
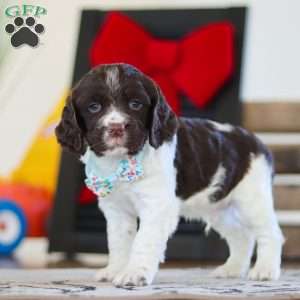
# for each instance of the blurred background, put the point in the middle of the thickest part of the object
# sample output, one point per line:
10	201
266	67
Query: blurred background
46	214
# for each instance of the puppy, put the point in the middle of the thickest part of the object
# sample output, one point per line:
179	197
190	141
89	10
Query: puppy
194	168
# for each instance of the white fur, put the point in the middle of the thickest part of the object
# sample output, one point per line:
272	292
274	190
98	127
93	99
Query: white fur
244	218
200	202
134	256
222	127
114	116
112	78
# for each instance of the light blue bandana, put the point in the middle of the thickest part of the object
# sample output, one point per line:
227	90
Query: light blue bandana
129	169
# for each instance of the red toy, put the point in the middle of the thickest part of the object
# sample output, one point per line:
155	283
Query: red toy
34	202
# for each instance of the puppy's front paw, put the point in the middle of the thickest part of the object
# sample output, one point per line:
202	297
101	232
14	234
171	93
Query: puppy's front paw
106	274
264	272
138	276
229	271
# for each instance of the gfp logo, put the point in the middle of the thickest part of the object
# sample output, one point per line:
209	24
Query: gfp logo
24	29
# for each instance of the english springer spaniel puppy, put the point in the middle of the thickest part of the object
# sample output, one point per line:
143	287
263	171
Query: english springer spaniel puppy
145	163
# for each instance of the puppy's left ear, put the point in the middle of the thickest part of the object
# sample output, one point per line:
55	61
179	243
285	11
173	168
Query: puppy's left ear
164	122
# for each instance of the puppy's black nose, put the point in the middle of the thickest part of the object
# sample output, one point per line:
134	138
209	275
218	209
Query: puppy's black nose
116	129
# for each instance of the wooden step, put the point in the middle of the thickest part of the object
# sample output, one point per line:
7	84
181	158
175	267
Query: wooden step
285	148
286	158
286	190
291	247
279	138
287	197
271	116
287	179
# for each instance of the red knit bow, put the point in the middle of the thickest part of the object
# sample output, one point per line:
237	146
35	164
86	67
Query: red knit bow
197	65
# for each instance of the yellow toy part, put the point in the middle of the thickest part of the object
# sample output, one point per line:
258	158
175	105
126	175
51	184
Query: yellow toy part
40	165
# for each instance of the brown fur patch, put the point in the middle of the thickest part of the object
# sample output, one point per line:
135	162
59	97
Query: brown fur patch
202	148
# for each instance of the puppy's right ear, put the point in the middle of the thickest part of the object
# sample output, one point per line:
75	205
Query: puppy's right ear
68	132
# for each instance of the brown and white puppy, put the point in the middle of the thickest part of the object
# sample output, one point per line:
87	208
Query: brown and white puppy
193	168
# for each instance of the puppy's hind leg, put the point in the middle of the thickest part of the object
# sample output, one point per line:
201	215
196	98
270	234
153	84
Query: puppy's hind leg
269	241
256	206
240	243
269	245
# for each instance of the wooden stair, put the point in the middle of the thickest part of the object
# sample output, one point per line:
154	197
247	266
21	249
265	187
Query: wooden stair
277	124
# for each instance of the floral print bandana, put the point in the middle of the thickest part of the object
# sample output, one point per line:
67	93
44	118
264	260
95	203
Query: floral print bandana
129	170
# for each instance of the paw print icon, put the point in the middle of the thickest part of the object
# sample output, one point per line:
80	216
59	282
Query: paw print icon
24	32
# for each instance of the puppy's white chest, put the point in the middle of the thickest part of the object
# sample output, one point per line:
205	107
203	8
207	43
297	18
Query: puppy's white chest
154	188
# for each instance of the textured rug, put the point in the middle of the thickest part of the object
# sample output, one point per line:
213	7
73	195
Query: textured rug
169	284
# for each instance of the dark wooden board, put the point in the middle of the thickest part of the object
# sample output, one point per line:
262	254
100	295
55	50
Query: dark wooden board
291	248
286	158
271	116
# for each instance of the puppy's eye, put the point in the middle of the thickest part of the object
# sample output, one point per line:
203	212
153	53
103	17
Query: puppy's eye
94	107
135	105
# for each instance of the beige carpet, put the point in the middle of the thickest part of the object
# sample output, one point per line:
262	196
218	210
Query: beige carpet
169	284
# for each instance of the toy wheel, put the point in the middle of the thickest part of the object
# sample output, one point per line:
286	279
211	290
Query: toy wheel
12	226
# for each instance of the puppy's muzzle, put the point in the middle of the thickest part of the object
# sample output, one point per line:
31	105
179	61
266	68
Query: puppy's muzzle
116	130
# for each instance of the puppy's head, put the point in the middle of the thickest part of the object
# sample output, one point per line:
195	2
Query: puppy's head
115	106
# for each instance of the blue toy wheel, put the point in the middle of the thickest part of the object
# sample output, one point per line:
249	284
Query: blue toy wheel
12	226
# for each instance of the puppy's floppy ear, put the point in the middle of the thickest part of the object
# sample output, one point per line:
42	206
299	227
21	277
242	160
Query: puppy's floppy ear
164	121
68	132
